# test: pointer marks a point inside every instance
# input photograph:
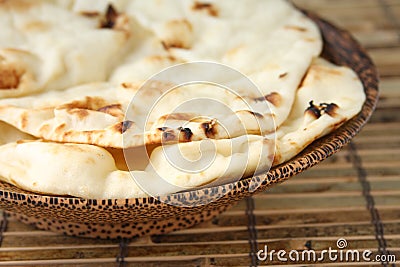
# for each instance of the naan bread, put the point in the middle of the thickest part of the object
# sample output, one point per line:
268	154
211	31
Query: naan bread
90	172
273	50
73	73
95	114
44	46
329	96
269	41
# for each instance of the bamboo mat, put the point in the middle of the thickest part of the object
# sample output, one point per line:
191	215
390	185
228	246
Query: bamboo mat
353	195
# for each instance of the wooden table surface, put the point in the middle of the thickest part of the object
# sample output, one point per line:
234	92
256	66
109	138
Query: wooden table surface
353	195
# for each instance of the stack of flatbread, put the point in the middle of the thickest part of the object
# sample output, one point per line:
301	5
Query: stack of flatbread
97	98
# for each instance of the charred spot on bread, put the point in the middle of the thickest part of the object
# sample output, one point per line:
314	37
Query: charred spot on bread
330	109
162	129
123	126
187	133
126	125
110	18
313	110
168	136
209	129
323	108
283	75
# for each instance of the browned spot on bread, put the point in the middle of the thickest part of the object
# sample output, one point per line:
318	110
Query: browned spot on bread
113	110
9	76
90	160
177	34
174	44
90	14
126	85
277	159
131	86
36	26
334	72
79	112
313	110
107	108
18	5
209	129
295	28
255	114
24	120
110	18
274	98
164	44
24	141
330	109
283	75
90	103
60	128
118	127
208	7
177	117
311	40
67	134
318	72
45	128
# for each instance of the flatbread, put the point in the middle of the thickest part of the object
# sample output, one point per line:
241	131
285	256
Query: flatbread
95	114
83	89
274	51
44	46
90	172
269	41
329	96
